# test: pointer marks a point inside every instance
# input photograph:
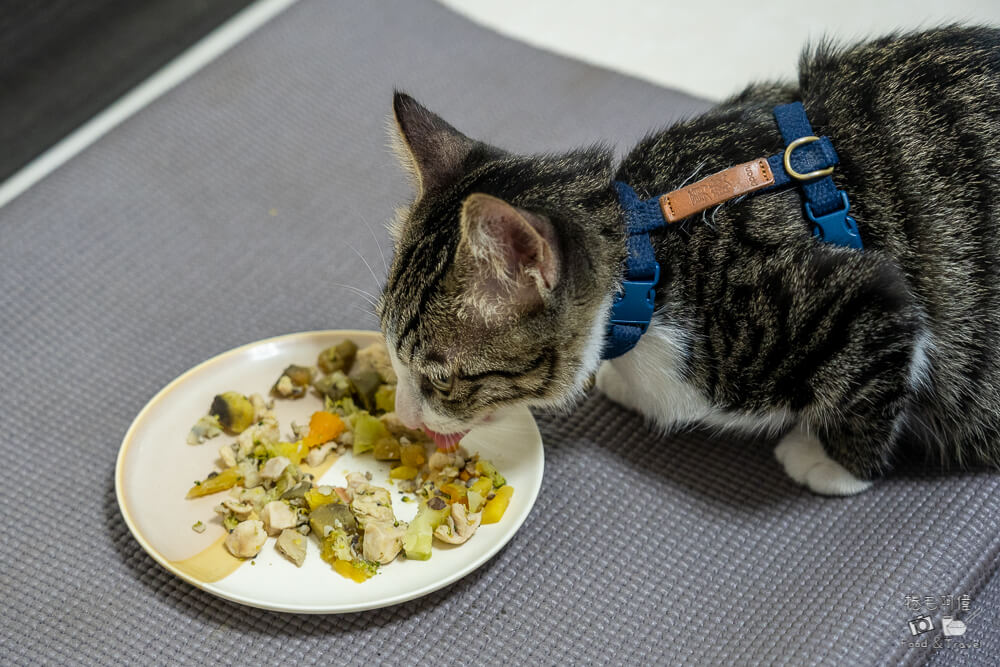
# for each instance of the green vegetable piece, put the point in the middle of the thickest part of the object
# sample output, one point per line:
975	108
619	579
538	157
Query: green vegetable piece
334	386
335	515
338	357
345	407
234	410
365	383
386	449
367	431
420	533
385	398
486	468
298	380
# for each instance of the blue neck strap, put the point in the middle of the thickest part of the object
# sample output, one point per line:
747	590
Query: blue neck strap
809	160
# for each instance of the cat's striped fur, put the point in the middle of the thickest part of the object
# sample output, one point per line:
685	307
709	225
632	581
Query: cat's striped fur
864	350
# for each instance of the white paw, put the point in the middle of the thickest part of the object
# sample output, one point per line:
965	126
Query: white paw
613	384
807	463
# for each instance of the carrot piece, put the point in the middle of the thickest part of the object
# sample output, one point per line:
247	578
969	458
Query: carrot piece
323	427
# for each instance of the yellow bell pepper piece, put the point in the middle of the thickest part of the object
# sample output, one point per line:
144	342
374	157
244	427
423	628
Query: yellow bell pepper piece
482	486
315	498
403	472
323	427
495	508
293	451
345	568
457	493
226	479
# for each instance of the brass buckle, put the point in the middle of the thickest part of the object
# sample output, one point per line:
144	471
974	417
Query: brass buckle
801	141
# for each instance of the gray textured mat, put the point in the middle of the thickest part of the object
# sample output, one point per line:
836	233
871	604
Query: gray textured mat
225	212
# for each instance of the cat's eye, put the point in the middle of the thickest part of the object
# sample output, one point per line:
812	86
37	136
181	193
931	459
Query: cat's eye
442	384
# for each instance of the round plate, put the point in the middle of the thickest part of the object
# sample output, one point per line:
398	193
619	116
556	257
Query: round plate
156	467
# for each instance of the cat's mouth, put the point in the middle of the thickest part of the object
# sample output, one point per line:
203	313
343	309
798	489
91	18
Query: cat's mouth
446	442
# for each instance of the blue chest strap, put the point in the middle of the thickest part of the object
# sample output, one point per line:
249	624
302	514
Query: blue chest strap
807	160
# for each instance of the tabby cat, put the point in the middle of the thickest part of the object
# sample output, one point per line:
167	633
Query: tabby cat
506	265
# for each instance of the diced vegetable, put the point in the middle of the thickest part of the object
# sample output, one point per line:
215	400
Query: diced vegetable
420	533
456	492
338	357
323	427
403	472
495	508
486	468
293	382
386	449
475	500
367	431
293	451
234	410
334	386
483	486
354	570
365	384
334	515
316	497
413	455
226	479
385	398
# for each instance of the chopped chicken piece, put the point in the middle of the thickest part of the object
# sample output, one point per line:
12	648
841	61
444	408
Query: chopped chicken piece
383	540
370	503
277	516
441	460
246	539
292	544
460	525
318	454
227	455
274	467
261	410
203	429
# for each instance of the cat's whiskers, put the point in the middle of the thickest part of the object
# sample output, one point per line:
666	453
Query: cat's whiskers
378	244
370	269
369	297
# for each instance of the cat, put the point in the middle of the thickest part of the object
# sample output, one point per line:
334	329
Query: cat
506	265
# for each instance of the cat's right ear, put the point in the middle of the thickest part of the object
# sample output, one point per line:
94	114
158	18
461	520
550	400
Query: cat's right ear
433	150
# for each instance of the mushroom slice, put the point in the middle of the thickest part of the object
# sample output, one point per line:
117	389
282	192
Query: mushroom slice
292	544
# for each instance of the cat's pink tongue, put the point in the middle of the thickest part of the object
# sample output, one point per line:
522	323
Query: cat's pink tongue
446	442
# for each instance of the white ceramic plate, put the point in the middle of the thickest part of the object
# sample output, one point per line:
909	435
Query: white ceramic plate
156	467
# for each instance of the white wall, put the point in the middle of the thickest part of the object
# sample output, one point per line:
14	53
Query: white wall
708	48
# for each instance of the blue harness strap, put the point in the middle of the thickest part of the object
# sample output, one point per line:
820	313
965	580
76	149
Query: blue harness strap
825	205
807	161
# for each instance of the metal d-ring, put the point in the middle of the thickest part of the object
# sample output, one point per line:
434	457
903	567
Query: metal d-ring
801	141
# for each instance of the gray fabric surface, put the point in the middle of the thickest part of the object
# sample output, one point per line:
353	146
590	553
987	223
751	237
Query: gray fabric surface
155	249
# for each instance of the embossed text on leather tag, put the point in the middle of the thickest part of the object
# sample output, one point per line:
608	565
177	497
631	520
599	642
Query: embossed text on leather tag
715	189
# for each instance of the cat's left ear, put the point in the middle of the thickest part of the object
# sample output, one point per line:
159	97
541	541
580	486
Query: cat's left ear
509	254
434	150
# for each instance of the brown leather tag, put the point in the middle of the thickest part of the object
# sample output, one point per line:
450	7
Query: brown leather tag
715	189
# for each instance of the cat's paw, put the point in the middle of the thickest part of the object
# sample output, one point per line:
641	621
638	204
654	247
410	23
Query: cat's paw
806	462
612	384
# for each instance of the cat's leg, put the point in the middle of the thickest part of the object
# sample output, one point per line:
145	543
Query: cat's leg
613	385
804	459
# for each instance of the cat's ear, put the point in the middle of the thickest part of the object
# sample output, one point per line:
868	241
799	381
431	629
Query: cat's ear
432	149
509	254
